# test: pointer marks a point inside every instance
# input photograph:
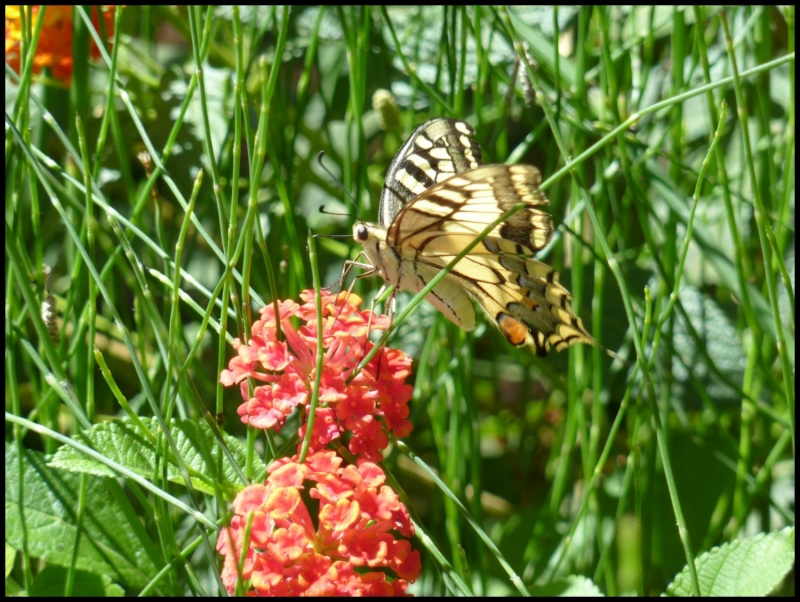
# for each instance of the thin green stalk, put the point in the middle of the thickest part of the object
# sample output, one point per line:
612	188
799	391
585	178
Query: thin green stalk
785	224
211	156
458	102
637	489
452	463
174	340
766	235
91	301
260	145
684	253
84	364
626	299
121	399
28	47
515	579
312	411
236	159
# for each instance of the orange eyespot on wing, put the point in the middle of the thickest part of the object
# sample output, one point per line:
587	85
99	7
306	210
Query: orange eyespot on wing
512	329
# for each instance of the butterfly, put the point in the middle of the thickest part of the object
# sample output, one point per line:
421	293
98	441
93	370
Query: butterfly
437	197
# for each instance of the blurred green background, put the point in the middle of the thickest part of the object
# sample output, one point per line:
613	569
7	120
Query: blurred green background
560	460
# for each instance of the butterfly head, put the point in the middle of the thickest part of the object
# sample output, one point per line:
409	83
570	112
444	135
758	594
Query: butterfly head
361	232
370	236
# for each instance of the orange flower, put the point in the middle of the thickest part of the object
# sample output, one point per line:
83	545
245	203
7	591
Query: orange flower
375	401
55	40
356	522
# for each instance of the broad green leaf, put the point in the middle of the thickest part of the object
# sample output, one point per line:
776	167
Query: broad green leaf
122	442
751	567
42	516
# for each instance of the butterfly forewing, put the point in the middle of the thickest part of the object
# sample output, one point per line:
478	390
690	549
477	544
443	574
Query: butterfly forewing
435	151
451	214
436	200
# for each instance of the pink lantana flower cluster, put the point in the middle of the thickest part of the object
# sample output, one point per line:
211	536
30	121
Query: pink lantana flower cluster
376	401
343	550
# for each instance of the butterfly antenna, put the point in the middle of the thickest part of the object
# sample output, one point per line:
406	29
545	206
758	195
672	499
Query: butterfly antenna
322	210
616	356
357	214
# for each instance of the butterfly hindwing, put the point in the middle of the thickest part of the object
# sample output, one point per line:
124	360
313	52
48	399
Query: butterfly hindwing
522	296
449	297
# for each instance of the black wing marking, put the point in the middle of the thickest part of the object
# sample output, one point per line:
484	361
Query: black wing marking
435	151
449	215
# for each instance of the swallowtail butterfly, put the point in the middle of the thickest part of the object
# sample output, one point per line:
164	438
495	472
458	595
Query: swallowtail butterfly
437	197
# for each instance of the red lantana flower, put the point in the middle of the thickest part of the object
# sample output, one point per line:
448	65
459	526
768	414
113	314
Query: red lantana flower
54	49
376	399
343	551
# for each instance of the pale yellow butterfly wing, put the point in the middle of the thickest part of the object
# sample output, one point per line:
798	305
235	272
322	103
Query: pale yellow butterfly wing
449	296
449	215
521	295
436	199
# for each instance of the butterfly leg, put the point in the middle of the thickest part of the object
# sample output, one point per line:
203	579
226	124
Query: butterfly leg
349	264
390	304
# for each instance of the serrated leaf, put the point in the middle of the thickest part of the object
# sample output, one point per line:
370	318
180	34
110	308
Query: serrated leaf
122	442
50	583
719	340
42	514
751	567
572	586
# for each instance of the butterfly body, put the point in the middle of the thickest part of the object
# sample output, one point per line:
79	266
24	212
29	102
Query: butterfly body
437	199
402	271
